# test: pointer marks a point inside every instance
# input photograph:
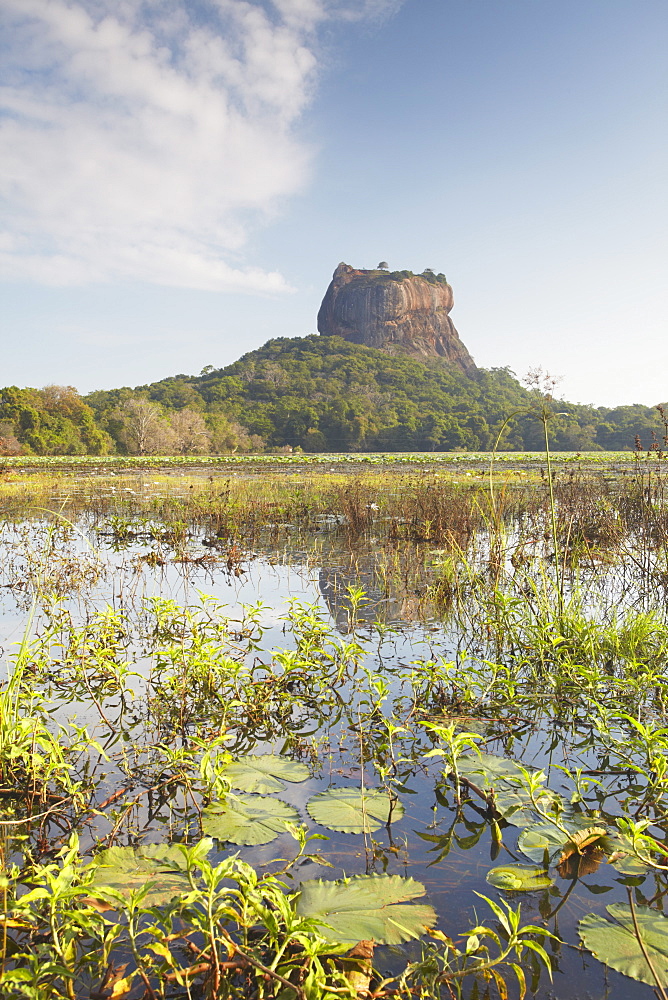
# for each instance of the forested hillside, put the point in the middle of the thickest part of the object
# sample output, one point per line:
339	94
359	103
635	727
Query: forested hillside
326	394
317	394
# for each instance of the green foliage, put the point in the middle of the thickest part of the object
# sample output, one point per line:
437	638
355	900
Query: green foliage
160	869
518	878
546	840
351	810
54	420
506	785
634	942
326	394
248	819
367	908
262	773
319	394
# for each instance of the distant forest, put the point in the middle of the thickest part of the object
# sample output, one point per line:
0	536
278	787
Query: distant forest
315	394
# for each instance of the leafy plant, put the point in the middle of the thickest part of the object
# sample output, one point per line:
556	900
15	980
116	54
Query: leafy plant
353	810
634	942
262	773
445	964
456	743
159	869
545	840
506	786
248	819
518	878
367	907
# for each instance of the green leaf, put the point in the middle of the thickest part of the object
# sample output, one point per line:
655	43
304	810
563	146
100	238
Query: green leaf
622	855
261	773
351	810
513	803
614	942
536	840
127	869
367	908
248	819
489	767
518	878
504	777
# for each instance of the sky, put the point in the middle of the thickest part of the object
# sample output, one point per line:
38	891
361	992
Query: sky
179	179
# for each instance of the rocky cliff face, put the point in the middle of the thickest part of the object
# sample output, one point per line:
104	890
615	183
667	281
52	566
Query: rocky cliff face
399	313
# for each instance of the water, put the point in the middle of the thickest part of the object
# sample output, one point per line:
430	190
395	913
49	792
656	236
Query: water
450	852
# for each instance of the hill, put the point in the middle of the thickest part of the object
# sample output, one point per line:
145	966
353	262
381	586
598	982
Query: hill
327	394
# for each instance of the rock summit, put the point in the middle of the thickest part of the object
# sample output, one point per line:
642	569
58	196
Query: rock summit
396	311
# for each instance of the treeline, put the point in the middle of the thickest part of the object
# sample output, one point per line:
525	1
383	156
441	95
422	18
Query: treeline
317	394
54	420
325	394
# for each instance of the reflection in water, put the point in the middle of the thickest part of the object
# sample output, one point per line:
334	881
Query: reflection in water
447	847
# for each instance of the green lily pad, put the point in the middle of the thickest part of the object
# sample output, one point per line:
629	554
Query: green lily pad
622	857
489	767
614	942
349	810
127	869
261	773
545	838
248	819
514	804
518	878
504	778
367	908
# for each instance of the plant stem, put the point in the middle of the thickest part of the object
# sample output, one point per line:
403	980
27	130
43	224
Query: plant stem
641	943
553	517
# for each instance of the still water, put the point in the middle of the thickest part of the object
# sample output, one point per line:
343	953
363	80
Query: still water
87	567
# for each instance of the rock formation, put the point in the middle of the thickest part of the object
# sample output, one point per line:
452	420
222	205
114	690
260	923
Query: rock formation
398	312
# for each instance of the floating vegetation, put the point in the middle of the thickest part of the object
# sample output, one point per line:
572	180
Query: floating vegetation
268	738
518	878
248	819
263	773
354	810
367	908
634	942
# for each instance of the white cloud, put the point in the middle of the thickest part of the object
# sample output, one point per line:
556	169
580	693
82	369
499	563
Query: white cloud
144	139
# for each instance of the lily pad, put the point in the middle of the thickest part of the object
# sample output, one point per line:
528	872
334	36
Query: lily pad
580	840
489	767
127	869
248	819
349	810
504	778
545	838
614	942
262	773
518	878
622	856
513	802
367	908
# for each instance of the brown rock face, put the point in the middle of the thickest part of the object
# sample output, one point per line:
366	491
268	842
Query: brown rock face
401	315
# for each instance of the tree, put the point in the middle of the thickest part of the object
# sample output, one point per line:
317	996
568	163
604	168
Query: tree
190	433
63	401
228	436
9	444
144	431
383	266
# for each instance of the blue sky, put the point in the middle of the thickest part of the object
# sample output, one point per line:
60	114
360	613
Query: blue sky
179	180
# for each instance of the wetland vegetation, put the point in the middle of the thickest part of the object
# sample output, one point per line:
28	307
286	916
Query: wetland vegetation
338	727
